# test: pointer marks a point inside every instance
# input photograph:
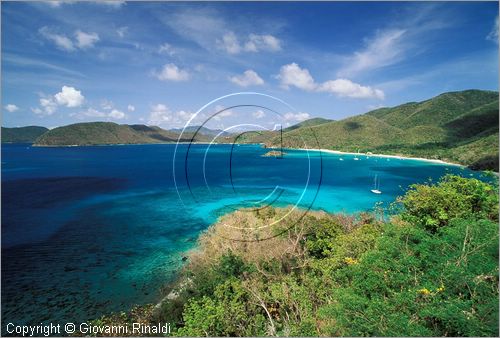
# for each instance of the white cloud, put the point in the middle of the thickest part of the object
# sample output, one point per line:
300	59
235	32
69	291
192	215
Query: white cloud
386	48
94	113
184	115
90	112
266	42
167	49
171	72
49	106
107	105
493	35
230	43
162	115
11	108
248	78
37	111
347	88
85	40
259	114
296	117
221	112
55	3
82	40
69	97
293	75
130	107
110	3
117	114
412	33
122	31
159	114
61	41
254	43
207	27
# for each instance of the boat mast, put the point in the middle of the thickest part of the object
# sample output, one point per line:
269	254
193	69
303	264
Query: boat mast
281	139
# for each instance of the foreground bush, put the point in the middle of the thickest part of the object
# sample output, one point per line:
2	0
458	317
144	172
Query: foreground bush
433	206
432	271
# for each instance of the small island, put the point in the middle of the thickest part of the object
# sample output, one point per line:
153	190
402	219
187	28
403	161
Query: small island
274	153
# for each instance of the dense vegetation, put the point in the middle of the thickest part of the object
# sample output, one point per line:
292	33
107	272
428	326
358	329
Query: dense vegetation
459	127
93	133
315	121
430	268
22	134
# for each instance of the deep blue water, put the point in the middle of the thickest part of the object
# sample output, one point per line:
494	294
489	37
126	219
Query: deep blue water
90	230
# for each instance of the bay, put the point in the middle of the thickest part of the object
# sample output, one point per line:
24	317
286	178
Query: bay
92	230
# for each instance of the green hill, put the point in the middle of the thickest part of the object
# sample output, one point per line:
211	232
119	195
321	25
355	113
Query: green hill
158	134
308	123
22	135
436	111
202	130
264	136
96	133
92	133
457	126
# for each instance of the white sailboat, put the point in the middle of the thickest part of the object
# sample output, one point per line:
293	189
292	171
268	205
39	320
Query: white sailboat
376	186
356	158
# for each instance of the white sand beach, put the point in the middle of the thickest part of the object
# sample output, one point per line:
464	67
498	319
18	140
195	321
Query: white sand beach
382	155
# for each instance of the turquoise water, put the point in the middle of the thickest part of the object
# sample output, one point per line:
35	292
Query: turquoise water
90	230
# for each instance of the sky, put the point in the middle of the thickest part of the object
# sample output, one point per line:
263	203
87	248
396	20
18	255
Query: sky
158	63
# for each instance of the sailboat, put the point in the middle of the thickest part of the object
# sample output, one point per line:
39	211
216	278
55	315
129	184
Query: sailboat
376	187
356	158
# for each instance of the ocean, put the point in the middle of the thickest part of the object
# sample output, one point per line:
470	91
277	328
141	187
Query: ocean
92	230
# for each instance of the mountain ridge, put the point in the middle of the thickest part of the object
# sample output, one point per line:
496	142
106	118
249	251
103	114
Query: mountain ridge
26	134
460	127
447	127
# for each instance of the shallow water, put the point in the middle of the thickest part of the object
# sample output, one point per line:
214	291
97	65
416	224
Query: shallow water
90	230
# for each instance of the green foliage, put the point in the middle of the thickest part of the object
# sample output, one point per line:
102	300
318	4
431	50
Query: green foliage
226	313
96	133
22	134
315	121
416	283
207	279
433	206
320	242
433	271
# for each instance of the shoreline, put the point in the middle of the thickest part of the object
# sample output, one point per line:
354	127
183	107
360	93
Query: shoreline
110	144
338	152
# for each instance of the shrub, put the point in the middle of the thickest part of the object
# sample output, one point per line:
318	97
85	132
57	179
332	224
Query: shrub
433	206
433	274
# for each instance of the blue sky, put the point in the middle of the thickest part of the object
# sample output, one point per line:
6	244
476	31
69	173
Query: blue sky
158	63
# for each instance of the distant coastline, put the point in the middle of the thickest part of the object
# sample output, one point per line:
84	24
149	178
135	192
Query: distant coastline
112	144
382	155
337	152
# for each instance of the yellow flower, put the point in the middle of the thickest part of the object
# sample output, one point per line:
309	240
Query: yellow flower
424	291
441	288
350	261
